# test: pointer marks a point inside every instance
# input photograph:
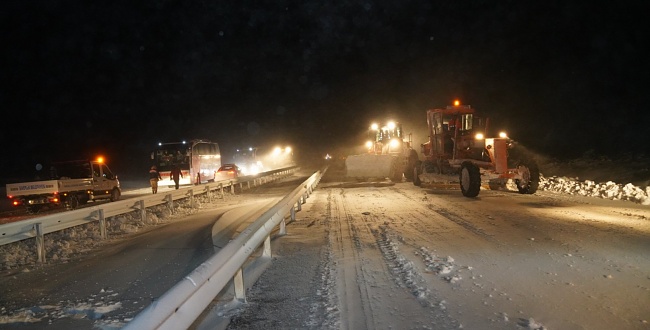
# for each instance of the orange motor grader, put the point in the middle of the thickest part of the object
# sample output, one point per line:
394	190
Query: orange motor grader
458	148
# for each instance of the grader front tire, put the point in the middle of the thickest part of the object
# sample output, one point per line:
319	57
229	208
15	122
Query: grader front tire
470	179
530	177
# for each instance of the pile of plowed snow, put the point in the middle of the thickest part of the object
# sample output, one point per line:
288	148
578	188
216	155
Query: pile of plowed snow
608	190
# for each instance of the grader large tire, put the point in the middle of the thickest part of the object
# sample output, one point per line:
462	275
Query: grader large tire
416	173
397	170
470	179
530	173
410	164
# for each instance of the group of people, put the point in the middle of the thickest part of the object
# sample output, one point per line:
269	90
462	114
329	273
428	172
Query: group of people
154	177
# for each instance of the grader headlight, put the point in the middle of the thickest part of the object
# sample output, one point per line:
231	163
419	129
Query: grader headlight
394	143
369	144
479	136
503	135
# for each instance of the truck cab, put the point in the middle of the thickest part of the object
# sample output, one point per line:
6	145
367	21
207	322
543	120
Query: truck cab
104	181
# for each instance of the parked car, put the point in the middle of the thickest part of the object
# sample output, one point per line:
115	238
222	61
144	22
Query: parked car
227	171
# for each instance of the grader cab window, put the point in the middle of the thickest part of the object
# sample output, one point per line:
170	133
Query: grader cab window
467	122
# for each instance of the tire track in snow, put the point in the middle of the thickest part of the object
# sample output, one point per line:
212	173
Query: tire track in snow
325	314
378	241
369	268
353	297
451	216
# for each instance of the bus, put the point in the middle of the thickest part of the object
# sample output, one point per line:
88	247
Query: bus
198	160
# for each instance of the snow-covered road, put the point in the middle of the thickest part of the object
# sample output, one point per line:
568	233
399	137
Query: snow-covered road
384	256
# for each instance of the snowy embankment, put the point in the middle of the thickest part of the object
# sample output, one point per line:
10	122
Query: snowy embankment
608	190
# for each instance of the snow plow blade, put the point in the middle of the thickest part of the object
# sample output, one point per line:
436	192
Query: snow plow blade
370	166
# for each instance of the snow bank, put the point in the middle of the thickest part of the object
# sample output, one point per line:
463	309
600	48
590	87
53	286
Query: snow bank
608	190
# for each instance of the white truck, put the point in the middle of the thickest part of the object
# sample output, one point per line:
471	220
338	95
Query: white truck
68	184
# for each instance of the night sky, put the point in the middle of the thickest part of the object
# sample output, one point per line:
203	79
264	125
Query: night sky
80	78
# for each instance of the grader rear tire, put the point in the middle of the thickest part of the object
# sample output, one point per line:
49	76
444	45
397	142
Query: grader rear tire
411	162
416	174
470	179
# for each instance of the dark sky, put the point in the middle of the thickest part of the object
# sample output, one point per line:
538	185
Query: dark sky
116	77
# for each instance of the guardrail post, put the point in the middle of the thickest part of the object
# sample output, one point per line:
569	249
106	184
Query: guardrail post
232	188
40	242
191	191
143	211
293	213
170	203
248	183
299	204
266	252
283	228
241	186
209	193
102	224
240	290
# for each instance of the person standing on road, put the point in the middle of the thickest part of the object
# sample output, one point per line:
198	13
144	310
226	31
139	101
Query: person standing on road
154	177
176	174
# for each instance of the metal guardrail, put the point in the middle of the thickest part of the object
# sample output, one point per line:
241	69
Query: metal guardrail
181	305
38	227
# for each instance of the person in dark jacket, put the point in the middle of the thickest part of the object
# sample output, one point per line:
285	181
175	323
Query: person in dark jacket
176	174
154	177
